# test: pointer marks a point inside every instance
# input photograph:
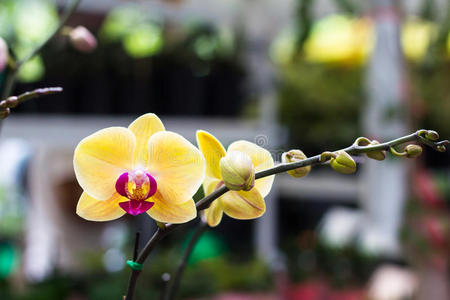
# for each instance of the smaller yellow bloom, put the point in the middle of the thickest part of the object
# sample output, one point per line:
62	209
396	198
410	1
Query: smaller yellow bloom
138	169
243	205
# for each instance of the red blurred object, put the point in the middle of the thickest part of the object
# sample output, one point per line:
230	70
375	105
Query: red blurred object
312	290
426	189
354	294
435	232
244	296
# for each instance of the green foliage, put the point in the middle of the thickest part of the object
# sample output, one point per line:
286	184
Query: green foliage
340	266
432	96
321	103
219	274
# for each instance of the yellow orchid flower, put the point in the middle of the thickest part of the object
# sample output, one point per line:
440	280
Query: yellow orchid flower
241	205
138	169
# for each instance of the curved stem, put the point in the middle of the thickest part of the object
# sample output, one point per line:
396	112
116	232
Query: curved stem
174	282
281	168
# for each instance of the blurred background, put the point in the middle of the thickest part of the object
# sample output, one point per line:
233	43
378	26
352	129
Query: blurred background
284	74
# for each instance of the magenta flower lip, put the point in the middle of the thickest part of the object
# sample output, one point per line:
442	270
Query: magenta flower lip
136	207
137	186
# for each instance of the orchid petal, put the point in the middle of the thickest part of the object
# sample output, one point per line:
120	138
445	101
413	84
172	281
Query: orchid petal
100	210
261	159
177	165
214	213
243	205
213	151
143	128
101	158
167	211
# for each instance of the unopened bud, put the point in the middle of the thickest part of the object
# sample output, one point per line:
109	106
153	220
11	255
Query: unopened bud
295	156
432	135
82	39
238	172
378	155
413	151
4	113
343	163
12	101
441	148
3	54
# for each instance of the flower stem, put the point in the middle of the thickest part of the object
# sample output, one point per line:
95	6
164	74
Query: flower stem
281	168
38	93
173	285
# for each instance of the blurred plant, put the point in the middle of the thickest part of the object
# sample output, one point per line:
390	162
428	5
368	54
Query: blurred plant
340	39
139	32
30	36
315	97
417	36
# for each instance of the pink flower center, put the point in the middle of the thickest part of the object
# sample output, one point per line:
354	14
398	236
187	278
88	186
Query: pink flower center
136	186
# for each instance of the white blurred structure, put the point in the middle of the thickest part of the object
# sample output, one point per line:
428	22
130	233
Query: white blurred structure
393	283
385	183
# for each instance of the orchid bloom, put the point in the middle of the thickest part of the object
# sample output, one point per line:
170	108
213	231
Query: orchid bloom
138	169
243	205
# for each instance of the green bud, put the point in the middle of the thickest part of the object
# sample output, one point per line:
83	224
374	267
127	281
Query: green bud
432	135
413	151
343	163
4	113
441	148
378	155
238	172
295	156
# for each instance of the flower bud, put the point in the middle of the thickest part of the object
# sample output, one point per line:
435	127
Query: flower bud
432	135
238	172
413	151
295	156
441	148
378	155
4	113
82	39
3	54
343	163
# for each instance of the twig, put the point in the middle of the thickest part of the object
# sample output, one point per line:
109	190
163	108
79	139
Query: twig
13	101
283	167
11	77
174	282
38	93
